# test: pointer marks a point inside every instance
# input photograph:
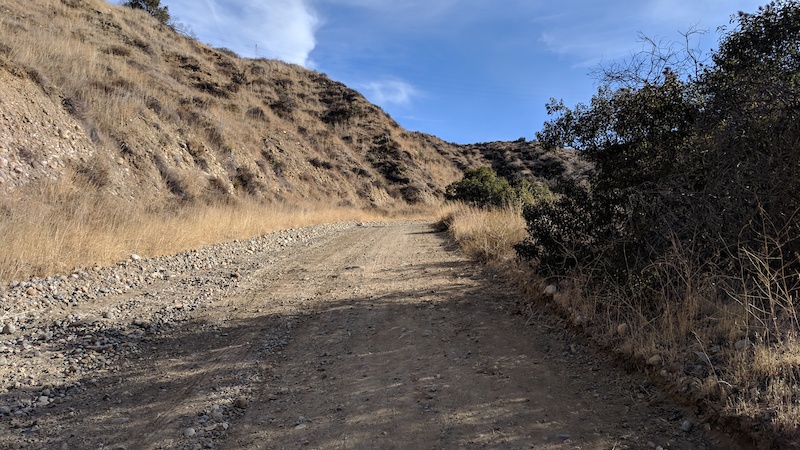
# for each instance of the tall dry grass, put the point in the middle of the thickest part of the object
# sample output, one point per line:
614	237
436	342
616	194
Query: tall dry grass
484	234
60	227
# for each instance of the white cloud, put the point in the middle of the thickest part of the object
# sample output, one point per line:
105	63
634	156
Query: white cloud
281	29
385	92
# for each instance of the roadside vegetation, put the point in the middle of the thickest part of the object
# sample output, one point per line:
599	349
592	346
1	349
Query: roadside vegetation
68	227
681	253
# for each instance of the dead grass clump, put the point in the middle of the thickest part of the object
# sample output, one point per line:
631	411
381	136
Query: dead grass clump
484	234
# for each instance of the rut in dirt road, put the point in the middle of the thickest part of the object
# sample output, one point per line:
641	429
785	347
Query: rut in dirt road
375	336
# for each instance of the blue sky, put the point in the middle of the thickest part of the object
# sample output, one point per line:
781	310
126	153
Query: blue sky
464	70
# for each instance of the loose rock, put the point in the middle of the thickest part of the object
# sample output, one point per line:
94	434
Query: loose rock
655	360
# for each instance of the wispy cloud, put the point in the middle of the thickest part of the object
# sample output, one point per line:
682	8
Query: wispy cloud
389	92
281	29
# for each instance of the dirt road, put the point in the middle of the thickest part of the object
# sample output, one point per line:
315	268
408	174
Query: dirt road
371	336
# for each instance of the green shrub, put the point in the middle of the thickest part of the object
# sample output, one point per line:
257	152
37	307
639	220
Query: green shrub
481	187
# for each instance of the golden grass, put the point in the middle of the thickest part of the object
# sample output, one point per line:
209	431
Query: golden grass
486	235
61	228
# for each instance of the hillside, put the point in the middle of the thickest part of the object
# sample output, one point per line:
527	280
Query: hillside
133	108
110	120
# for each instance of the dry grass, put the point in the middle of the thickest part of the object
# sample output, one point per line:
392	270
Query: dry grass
738	352
486	235
66	228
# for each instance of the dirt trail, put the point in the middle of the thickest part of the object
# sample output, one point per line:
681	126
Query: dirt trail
378	336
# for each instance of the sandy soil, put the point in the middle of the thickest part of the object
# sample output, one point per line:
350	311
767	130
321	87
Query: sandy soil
374	336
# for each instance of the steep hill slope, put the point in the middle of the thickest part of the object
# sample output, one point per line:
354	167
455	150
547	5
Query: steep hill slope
131	107
105	96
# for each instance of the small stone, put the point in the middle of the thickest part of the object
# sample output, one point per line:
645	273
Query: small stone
240	403
550	290
235	276
655	360
217	415
9	328
31	291
189	432
622	329
135	257
687	426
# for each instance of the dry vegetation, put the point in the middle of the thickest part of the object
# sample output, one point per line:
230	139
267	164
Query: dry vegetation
111	121
68	229
119	135
735	362
486	235
204	123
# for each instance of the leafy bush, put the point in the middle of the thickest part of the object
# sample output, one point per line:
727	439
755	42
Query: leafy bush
482	187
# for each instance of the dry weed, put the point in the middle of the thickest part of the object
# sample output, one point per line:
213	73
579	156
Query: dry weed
486	235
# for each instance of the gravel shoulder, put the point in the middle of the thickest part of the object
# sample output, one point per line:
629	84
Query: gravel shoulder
336	336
